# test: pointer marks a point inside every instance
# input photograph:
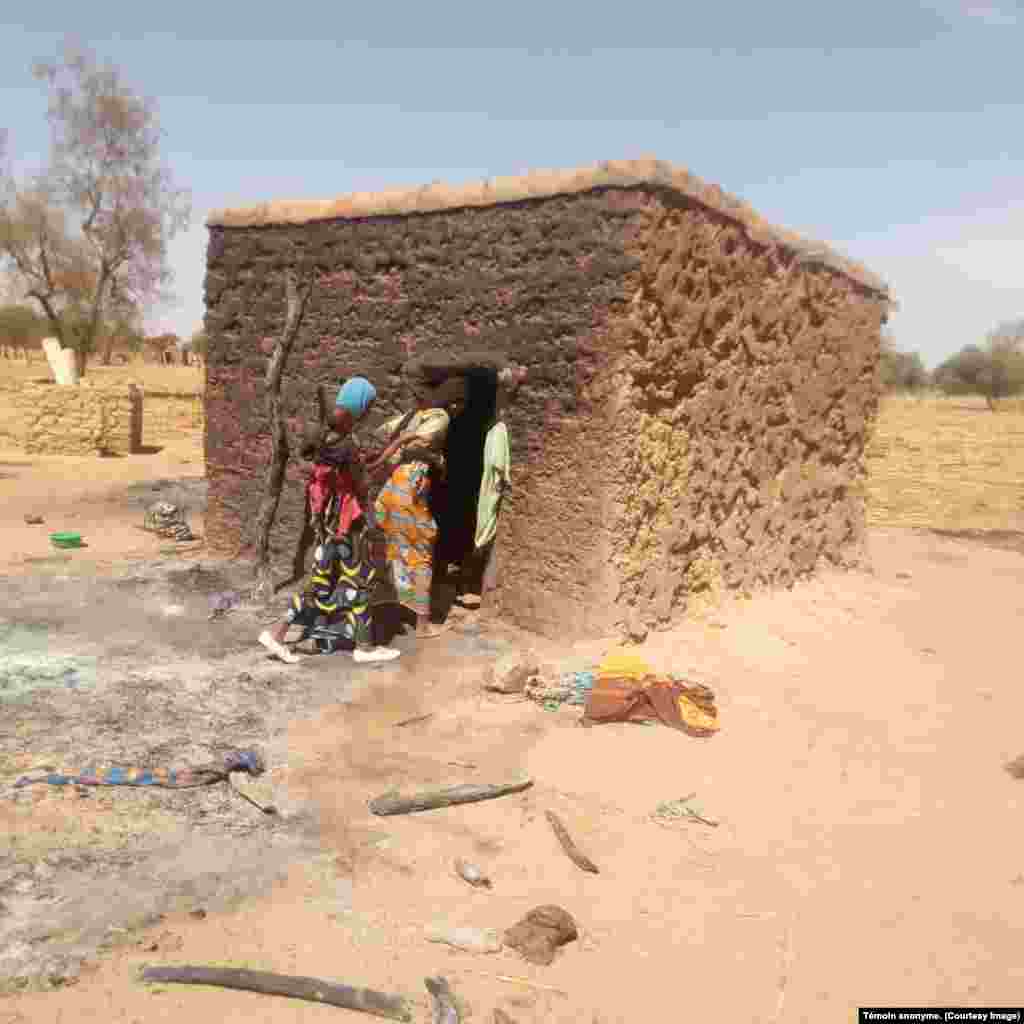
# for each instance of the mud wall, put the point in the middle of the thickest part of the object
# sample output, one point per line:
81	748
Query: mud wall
699	385
533	281
747	385
80	420
172	413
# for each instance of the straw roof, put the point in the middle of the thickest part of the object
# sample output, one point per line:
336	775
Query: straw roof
647	172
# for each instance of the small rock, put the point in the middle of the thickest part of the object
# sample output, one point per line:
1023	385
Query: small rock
540	933
199	914
511	672
244	677
472	874
904	576
34	520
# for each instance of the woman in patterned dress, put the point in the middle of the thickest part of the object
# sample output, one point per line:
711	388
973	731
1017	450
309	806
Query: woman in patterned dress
402	508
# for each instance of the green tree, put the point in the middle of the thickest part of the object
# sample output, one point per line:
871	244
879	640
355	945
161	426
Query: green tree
21	327
901	371
994	369
91	229
197	343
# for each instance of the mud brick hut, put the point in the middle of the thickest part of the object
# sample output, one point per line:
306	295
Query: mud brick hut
700	385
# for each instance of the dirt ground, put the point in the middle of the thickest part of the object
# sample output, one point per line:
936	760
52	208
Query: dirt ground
863	855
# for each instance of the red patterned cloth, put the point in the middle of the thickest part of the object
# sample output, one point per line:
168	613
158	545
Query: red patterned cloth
331	483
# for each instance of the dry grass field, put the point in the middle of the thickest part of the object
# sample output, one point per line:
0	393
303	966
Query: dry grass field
947	463
149	375
934	462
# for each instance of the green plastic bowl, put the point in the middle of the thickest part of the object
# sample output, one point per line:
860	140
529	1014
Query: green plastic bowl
66	540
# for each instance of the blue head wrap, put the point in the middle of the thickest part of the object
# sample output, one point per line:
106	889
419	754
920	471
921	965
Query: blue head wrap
356	396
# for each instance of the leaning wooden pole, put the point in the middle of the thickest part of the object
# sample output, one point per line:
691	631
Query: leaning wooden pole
297	294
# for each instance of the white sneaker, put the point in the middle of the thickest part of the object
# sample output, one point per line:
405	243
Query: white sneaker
278	650
377	654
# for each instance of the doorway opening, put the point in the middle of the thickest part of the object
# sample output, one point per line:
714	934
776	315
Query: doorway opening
456	498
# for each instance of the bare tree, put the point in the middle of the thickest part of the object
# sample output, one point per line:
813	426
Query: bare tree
91	229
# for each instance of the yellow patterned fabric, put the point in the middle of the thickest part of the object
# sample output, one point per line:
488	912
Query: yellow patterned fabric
624	664
403	514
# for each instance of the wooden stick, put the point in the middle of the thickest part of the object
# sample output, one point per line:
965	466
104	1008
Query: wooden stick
413	721
518	981
364	1000
445	1010
432	799
297	295
580	859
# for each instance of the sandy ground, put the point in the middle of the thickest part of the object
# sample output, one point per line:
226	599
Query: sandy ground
865	854
101	499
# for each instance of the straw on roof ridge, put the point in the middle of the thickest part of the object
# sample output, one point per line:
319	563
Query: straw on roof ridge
543	185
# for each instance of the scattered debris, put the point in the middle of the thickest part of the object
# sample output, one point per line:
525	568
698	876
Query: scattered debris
34	520
199	914
785	974
413	721
463	764
511	672
681	810
541	932
521	981
472	874
470	940
66	540
221	604
572	688
444	1009
312	990
166	520
1016	767
429	800
581	860
501	1017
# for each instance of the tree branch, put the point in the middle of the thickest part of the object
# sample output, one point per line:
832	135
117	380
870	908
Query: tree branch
297	294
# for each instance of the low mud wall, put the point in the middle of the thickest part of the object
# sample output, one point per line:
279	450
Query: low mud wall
169	413
45	419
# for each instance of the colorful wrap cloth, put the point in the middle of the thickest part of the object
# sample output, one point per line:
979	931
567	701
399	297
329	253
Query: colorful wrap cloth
248	761
332	499
403	513
335	604
625	688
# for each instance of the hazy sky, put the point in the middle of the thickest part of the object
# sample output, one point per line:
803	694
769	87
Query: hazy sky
891	129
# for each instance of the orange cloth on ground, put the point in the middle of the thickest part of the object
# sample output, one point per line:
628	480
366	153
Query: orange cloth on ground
626	688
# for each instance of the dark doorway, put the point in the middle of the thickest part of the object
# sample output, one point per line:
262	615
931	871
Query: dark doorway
455	507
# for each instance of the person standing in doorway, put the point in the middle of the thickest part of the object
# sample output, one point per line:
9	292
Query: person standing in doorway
482	564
